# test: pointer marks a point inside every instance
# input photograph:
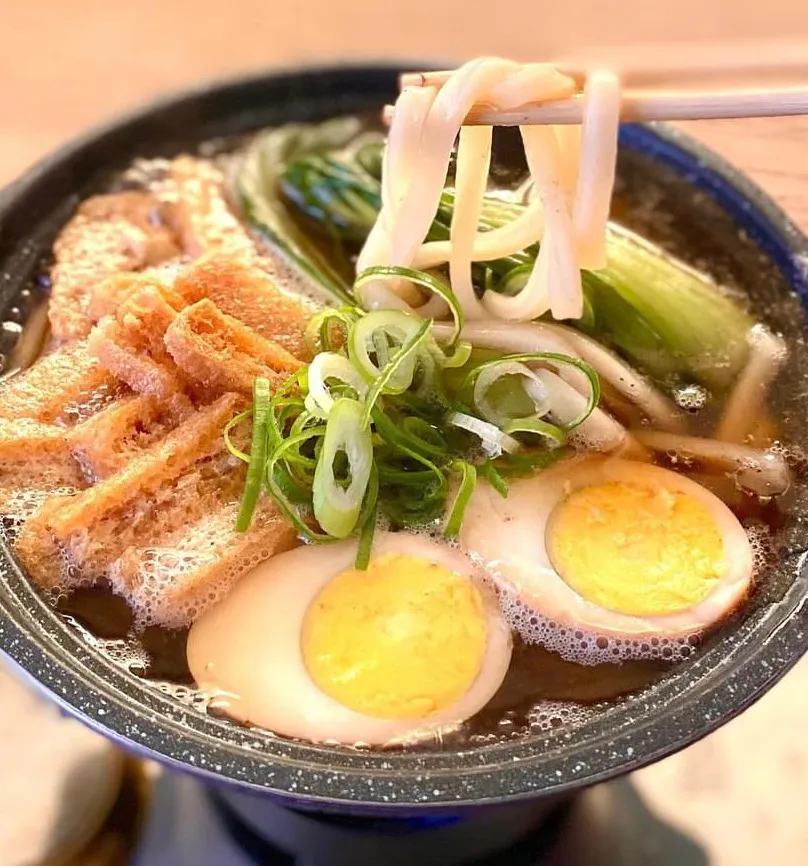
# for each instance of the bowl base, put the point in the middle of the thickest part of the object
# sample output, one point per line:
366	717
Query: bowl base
609	825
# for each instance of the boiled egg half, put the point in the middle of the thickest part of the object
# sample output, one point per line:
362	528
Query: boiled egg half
310	647
615	547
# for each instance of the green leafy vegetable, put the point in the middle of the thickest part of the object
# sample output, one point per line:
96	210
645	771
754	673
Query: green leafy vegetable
670	321
256	187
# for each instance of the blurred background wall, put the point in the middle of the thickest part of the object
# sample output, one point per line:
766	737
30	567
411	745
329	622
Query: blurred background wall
67	63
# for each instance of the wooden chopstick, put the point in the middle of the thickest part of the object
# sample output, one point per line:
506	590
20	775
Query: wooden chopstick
647	105
439	77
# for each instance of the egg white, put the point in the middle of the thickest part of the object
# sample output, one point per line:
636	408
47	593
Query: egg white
249	648
509	537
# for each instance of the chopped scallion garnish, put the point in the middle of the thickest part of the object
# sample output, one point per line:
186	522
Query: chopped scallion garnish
468	481
383	417
337	495
417	278
234	422
258	454
547	359
398	361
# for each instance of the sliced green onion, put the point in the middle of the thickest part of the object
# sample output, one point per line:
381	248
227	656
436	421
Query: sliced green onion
295	491
527	461
330	365
516	279
398	437
426	371
399	361
318	330
367	521
276	488
494	441
536	425
468	481
258	454
413	477
336	507
426	436
493	373
418	278
492	476
228	442
303	419
381	347
556	360
401	445
460	356
400	327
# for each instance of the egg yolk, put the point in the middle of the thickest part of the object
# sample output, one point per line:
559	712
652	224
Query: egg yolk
636	549
401	640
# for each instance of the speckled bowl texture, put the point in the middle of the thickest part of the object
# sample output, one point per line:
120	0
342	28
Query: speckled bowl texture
679	195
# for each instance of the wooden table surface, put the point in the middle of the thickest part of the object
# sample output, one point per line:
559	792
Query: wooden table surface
741	793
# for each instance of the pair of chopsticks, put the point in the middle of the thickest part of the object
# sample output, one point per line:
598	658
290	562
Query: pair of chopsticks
643	98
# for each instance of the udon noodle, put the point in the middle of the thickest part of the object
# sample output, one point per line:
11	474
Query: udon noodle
572	189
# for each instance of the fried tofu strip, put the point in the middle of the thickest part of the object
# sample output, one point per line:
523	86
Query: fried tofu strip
196	208
110	294
35	462
90	530
109	234
140	372
25	488
199	436
173	583
220	353
114	437
131	345
66	385
24	440
246	293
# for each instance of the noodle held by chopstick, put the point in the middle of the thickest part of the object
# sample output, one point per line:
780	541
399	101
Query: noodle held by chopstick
596	171
568	213
473	163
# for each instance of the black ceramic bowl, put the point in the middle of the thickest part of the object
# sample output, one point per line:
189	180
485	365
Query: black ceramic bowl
678	194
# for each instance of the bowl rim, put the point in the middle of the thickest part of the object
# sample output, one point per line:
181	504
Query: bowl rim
54	657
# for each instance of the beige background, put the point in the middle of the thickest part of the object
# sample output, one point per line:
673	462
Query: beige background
67	64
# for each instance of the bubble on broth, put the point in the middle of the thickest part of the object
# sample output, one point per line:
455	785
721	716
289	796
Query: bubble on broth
691	398
22	503
542	718
186	695
762	544
585	647
548	715
94	402
126	654
161	568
